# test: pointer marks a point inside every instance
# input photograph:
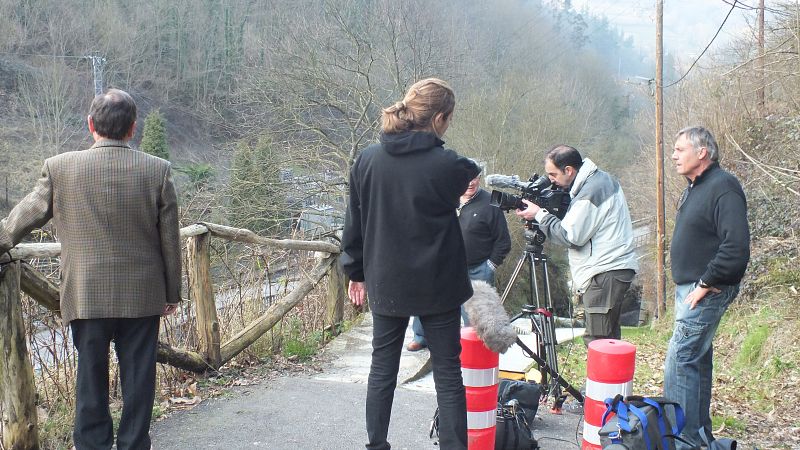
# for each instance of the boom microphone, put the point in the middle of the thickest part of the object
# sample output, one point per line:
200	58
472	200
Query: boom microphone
490	320
503	181
536	183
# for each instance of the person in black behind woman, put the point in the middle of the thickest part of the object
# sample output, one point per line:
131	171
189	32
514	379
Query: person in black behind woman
486	241
402	244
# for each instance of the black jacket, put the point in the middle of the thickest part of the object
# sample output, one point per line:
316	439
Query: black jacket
711	240
485	230
401	233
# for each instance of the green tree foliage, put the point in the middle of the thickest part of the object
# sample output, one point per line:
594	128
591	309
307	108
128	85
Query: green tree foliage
255	193
199	174
154	136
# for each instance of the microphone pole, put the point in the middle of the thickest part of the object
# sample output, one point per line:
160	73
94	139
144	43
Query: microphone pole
555	375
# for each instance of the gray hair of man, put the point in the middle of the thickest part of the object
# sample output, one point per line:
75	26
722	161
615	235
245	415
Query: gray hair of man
701	137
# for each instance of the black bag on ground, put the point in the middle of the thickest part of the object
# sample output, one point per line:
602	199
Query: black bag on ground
527	394
640	423
513	431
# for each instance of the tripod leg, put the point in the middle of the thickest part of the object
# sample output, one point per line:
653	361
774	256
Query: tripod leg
546	322
513	278
550	354
550	329
536	320
534	280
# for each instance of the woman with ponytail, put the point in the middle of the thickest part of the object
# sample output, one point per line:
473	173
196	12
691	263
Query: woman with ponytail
402	245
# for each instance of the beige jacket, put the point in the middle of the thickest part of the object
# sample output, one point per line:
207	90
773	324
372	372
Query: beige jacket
116	215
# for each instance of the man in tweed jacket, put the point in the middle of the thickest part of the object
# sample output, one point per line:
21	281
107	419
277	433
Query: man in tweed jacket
115	213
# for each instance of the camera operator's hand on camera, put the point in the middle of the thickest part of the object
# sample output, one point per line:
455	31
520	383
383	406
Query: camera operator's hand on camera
528	213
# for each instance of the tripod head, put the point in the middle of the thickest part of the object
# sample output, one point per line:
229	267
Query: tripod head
534	238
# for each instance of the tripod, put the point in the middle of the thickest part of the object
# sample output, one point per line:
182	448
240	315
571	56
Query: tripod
540	315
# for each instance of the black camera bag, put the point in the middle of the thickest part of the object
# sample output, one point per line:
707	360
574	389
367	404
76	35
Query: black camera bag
513	431
527	394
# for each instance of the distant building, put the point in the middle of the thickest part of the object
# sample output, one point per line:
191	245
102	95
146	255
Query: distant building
317	201
318	219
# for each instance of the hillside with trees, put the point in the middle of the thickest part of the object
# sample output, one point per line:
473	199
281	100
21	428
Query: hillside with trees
264	109
263	105
312	84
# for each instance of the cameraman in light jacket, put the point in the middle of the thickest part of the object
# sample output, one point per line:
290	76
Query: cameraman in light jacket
598	232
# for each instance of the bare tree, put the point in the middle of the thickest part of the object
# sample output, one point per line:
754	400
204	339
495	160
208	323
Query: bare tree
50	97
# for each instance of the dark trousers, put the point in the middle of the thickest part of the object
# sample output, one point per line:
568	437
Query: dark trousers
602	302
136	343
443	334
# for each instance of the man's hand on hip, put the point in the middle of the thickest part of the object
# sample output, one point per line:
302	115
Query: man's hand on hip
698	294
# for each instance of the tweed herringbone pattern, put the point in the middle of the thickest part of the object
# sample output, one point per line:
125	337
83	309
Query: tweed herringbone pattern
115	213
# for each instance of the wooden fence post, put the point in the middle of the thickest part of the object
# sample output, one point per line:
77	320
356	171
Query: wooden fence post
17	389
337	292
201	291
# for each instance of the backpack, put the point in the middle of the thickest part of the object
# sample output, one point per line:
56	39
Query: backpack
640	423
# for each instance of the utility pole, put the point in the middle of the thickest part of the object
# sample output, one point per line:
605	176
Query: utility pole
661	281
762	75
98	62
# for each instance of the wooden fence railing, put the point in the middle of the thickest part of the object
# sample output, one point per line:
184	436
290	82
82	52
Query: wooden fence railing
17	391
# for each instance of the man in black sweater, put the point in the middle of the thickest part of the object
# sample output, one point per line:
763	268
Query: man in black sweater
709	252
486	241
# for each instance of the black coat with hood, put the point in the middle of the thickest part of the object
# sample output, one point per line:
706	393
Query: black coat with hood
401	233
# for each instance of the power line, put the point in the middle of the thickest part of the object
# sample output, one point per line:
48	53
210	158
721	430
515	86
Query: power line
707	46
98	63
43	56
744	6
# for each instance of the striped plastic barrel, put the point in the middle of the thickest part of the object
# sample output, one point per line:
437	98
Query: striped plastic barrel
609	371
479	368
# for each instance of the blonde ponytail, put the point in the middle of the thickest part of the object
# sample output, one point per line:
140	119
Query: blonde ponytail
416	111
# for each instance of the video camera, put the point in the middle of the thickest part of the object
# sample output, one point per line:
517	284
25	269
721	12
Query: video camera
537	190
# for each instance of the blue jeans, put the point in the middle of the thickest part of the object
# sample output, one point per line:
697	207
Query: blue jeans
480	272
687	370
444	337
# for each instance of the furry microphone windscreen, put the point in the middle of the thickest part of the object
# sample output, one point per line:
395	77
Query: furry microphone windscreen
490	320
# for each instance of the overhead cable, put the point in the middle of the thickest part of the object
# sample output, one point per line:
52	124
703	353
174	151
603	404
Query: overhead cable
707	46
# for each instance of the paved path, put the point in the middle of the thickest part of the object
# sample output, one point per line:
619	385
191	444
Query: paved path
326	410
